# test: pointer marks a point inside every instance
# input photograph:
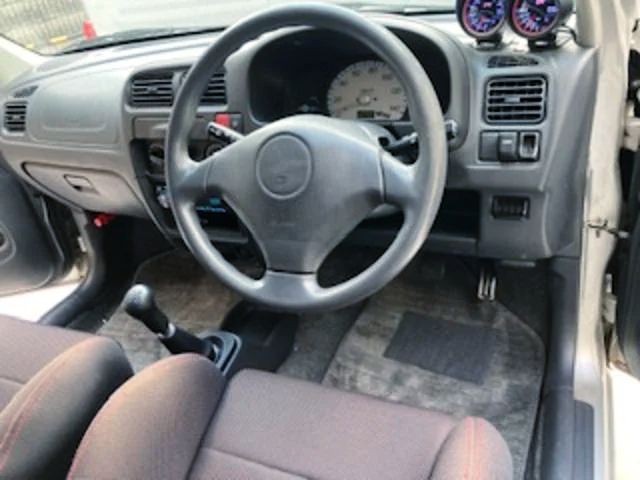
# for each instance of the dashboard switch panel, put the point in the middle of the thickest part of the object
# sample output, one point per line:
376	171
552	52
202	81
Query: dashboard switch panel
529	146
489	146
229	120
508	147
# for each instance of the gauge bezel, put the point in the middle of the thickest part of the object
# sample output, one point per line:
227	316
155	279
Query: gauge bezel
462	5
564	9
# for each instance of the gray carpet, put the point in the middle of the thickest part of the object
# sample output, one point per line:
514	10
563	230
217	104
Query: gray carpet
508	396
196	301
317	341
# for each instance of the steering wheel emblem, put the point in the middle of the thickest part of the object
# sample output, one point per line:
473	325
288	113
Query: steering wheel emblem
284	166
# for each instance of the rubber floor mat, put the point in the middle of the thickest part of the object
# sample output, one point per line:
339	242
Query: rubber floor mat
453	349
508	394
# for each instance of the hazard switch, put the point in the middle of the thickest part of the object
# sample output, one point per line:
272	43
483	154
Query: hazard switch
229	120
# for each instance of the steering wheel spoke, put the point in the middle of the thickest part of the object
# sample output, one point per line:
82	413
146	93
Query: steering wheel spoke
294	289
399	182
192	180
220	173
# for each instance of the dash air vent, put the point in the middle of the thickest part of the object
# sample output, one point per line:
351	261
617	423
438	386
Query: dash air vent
510	208
216	92
15	116
516	100
507	61
152	90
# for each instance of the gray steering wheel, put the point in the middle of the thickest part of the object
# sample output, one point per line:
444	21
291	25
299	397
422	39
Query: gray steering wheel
301	184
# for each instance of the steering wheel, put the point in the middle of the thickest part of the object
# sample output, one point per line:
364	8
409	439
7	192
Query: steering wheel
302	184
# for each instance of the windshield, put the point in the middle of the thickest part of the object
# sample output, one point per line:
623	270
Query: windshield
54	26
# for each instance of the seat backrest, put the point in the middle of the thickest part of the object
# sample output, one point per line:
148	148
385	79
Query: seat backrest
43	420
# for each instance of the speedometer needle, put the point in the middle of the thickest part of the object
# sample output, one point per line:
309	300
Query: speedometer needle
349	107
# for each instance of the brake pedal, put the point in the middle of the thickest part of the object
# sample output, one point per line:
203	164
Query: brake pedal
487	283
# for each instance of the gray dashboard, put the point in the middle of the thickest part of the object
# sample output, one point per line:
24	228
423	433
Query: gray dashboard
82	141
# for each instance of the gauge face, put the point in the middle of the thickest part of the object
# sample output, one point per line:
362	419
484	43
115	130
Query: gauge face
535	18
367	91
483	18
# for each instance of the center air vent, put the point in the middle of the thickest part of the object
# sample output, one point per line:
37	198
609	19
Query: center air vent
15	116
152	90
216	92
516	100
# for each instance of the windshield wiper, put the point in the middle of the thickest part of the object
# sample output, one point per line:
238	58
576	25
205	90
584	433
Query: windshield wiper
136	35
399	9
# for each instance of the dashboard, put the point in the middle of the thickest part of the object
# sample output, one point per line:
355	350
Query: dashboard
88	128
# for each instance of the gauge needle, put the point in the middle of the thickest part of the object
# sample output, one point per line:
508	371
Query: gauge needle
349	107
539	11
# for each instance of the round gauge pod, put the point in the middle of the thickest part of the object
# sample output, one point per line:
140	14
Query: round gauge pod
537	19
482	19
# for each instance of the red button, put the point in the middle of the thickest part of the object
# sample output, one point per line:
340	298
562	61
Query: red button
223	119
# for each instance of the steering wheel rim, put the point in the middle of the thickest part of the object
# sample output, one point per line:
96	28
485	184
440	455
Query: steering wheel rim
417	189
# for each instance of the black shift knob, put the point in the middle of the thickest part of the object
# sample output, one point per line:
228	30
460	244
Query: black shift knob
140	303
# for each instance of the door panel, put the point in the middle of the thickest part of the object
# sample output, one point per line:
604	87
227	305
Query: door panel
628	316
28	257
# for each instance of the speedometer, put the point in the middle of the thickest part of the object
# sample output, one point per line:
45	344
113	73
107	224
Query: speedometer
367	90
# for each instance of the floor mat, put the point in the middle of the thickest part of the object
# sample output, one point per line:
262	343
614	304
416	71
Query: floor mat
452	349
508	395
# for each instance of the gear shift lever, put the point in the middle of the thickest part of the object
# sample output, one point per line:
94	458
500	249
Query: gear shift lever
140	303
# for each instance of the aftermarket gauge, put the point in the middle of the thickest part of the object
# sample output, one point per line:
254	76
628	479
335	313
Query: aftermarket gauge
482	19
536	19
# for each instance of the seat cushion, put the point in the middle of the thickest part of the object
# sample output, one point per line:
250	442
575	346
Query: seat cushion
272	427
52	383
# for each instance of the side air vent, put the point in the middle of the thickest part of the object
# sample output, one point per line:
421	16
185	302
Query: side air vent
152	90
506	61
15	116
216	93
516	100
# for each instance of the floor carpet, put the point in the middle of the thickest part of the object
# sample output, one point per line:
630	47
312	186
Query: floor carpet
198	302
509	392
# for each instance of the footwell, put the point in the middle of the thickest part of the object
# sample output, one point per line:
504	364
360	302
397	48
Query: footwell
505	386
